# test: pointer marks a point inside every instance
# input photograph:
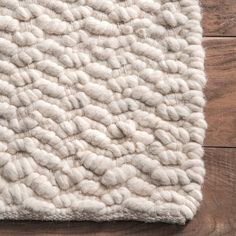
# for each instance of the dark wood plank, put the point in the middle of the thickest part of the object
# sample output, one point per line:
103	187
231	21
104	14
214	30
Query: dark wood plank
221	91
219	17
216	217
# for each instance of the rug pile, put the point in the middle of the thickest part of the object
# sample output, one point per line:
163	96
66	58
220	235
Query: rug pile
101	110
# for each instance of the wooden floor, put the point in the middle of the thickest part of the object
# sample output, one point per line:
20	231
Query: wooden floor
217	215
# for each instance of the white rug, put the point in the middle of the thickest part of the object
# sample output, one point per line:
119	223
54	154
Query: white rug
101	110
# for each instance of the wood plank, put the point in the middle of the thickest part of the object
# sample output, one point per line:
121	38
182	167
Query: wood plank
216	217
219	17
221	91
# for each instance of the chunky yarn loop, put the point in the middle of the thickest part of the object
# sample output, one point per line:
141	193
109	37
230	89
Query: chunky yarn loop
101	109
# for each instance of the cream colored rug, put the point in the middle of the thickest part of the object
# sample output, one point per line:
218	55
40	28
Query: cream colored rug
101	110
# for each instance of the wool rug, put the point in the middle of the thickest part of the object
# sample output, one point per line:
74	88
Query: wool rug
101	110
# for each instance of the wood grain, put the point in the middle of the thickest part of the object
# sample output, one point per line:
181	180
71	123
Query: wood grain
216	217
221	91
219	17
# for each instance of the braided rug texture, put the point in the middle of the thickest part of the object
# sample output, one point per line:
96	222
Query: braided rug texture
101	109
